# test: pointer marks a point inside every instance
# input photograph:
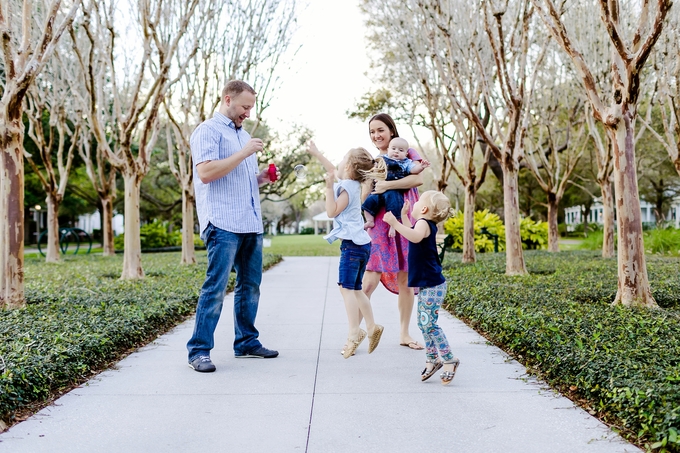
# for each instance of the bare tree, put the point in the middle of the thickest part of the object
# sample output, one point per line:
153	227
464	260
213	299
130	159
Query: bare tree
139	78
413	70
456	47
667	69
509	30
605	171
247	46
48	102
618	118
408	74
26	45
88	90
554	144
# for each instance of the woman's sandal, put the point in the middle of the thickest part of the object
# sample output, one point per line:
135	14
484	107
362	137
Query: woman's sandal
375	338
352	345
447	376
343	350
427	374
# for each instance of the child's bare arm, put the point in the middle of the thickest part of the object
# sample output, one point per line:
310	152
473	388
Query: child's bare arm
334	206
314	151
406	182
415	235
418	167
404	214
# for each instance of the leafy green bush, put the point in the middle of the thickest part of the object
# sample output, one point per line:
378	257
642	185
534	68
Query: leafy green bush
534	234
81	316
618	362
483	219
156	235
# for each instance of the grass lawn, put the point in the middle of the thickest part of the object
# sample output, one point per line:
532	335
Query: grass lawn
570	244
302	245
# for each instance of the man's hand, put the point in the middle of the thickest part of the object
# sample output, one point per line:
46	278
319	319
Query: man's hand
390	219
254	145
263	176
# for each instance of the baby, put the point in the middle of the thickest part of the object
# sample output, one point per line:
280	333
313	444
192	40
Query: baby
398	166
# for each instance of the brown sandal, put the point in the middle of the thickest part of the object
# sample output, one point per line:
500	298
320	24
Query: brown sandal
352	345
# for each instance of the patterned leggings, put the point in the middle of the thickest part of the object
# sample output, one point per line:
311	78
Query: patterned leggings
429	303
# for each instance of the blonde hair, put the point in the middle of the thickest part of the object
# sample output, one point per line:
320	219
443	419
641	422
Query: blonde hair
361	166
438	204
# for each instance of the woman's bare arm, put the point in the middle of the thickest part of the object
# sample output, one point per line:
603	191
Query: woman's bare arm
407	182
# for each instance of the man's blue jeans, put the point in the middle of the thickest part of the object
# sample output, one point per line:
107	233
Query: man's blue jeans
243	252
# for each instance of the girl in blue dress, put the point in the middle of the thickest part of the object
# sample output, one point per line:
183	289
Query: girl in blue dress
343	205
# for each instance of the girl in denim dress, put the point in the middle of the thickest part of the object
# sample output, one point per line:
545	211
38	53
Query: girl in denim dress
343	205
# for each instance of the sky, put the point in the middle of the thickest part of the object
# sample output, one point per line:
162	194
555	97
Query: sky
328	77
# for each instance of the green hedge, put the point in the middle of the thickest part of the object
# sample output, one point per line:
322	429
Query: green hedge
80	317
622	364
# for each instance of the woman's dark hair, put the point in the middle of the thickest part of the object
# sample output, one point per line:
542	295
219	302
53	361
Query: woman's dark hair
385	118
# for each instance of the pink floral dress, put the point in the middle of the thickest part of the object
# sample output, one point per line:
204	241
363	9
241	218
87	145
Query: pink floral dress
390	255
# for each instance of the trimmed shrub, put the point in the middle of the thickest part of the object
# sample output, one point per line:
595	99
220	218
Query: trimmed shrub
80	317
619	363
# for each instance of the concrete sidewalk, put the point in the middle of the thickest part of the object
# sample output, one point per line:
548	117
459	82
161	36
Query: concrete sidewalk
310	399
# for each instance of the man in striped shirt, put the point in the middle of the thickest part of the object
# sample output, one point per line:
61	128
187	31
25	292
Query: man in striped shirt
227	181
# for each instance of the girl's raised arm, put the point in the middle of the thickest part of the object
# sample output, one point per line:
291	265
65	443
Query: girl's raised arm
314	151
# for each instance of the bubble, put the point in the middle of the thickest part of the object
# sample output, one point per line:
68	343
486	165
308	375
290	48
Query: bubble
300	171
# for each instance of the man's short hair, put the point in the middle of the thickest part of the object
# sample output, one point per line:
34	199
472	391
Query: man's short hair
236	87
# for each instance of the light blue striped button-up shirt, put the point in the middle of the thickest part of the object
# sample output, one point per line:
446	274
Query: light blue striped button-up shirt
231	203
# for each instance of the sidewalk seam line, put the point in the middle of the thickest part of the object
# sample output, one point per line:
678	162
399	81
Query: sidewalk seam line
318	355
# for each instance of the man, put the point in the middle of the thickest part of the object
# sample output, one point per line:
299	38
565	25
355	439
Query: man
227	184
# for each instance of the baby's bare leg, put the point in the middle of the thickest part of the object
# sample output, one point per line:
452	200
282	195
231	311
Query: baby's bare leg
370	220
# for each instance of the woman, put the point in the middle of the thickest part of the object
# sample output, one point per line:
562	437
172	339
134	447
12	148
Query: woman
389	256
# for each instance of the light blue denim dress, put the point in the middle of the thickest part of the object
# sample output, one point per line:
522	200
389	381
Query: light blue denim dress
349	224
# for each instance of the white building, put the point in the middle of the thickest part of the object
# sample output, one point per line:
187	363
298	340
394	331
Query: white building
573	215
90	222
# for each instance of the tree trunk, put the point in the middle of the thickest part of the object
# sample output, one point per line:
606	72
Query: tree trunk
514	256
132	256
633	284
469	225
53	233
107	226
553	233
188	254
607	220
11	208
